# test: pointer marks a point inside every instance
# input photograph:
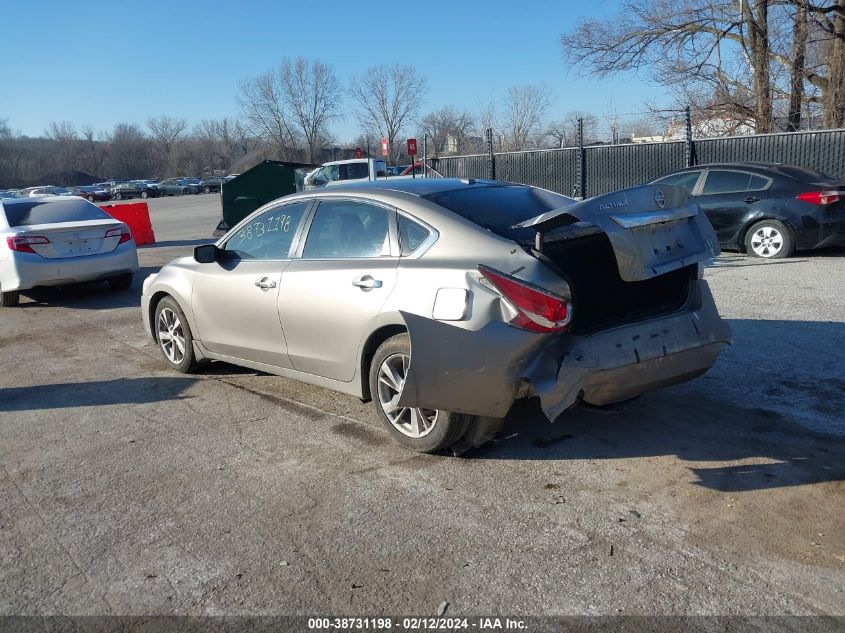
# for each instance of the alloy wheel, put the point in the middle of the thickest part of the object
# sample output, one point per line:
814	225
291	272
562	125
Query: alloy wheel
413	422
767	241
171	337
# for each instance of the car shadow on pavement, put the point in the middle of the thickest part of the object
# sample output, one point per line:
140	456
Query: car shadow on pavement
119	391
95	295
775	423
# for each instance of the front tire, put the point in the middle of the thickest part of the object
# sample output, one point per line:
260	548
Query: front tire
173	335
421	430
769	239
144	195
118	196
206	189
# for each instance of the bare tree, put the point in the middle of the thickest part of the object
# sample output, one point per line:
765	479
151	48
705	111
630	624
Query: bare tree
445	124
312	94
64	133
716	49
94	152
128	152
166	133
565	131
385	99
263	104
525	109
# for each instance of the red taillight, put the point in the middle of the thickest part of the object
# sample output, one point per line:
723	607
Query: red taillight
122	232
821	197
24	244
537	309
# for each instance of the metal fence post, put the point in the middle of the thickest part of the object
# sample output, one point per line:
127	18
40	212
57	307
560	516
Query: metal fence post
581	171
425	157
490	151
690	147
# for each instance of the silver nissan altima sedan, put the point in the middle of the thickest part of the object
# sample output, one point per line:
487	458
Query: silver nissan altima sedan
444	301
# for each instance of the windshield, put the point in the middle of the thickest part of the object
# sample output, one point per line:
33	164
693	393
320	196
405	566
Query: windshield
32	212
499	207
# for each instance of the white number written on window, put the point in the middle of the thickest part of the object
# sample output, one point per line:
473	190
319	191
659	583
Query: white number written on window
269	224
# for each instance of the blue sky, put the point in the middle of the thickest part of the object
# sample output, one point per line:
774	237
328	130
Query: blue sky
101	63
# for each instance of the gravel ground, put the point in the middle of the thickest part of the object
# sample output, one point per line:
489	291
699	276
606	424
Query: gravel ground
128	489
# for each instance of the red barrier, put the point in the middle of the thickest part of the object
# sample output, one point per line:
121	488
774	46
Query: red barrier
136	215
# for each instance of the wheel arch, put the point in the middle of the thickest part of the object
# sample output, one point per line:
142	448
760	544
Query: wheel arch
373	342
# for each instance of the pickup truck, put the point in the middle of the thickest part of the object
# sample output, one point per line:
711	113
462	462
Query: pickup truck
344	171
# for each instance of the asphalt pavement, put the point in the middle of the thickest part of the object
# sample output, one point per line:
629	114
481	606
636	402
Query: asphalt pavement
129	489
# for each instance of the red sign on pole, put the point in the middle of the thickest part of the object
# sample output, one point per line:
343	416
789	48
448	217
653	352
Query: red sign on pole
412	147
358	152
383	146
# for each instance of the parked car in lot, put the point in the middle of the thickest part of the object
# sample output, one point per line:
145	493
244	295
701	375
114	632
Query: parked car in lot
444	301
395	170
147	189
767	210
339	172
8	193
48	191
126	191
212	184
91	193
58	240
417	170
177	187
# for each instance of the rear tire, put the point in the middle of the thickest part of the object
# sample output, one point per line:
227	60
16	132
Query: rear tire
144	195
769	239
118	196
9	299
421	430
90	198
207	189
173	335
124	282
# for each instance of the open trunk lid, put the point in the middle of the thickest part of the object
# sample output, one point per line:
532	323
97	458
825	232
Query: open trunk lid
653	229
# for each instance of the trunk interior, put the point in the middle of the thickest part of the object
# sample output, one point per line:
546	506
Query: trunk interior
601	298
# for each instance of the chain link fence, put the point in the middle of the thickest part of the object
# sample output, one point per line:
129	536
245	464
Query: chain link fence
611	167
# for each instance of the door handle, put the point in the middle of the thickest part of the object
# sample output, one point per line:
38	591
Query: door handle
367	282
751	200
265	284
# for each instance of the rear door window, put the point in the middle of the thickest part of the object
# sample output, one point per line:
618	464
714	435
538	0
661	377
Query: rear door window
348	229
34	212
686	180
726	181
268	235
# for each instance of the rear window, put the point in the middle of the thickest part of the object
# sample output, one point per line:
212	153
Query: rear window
806	175
497	208
33	212
354	171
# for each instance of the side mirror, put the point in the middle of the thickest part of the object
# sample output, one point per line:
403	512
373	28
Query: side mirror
206	254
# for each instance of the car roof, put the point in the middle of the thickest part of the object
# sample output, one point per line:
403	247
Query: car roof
746	165
416	186
7	202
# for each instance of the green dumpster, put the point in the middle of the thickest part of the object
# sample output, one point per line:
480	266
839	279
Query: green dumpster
268	180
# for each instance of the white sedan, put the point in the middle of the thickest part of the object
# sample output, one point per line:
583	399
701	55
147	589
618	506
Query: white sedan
59	240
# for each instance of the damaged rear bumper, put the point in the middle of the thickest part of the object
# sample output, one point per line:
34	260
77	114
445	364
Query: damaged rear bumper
627	361
482	372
